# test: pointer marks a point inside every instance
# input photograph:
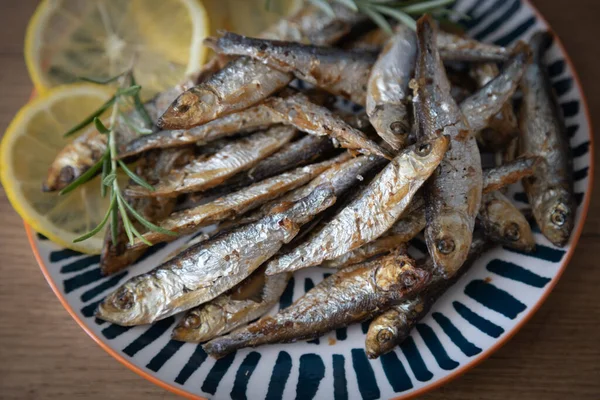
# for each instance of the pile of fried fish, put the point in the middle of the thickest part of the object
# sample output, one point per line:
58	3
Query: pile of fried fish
292	181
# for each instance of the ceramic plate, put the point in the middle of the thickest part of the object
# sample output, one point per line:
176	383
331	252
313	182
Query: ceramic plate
477	315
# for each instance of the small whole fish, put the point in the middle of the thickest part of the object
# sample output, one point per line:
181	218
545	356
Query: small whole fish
241	84
209	268
503	223
510	172
300	112
352	294
504	126
387	90
245	81
550	189
372	212
458	48
389	329
116	256
86	150
204	172
247	301
341	72
484	105
255	118
454	191
377	247
235	204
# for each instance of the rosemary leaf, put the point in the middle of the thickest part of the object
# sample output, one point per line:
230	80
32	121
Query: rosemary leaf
99	227
147	223
124	217
425	6
100	126
129	123
137	234
114	225
109	179
91	117
377	18
351	4
139	106
135	177
323	5
83	178
100	81
129	91
268	5
105	168
398	15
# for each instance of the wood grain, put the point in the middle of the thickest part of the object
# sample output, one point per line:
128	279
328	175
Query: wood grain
45	355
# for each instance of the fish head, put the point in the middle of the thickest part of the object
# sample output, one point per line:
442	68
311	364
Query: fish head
191	108
509	223
201	324
398	273
392	123
427	154
555	213
383	334
134	303
448	241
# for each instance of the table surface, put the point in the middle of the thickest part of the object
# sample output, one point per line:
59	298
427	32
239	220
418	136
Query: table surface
44	354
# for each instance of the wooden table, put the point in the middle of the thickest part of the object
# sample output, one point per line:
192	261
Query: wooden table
45	355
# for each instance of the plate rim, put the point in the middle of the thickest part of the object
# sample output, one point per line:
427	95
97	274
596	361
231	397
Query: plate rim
433	385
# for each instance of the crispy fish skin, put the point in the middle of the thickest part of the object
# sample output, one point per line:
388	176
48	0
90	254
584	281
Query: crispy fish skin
300	112
341	72
457	48
387	89
510	172
377	247
245	81
504	126
454	192
484	105
503	223
234	204
252	119
210	268
206	172
389	329
352	294
550	189
154	166
231	310
372	213
74	159
87	149
241	84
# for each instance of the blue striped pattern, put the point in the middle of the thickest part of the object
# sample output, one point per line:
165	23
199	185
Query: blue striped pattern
481	309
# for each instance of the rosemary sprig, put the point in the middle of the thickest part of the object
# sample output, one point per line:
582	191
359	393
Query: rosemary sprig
378	10
118	208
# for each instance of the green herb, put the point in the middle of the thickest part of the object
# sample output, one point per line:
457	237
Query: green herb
378	10
109	163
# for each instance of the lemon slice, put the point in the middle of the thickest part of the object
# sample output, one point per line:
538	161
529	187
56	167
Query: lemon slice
69	39
32	140
247	17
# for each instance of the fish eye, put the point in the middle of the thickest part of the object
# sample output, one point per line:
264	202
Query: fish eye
558	217
182	107
397	127
512	232
192	321
385	335
124	299
409	280
423	149
445	245
67	174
